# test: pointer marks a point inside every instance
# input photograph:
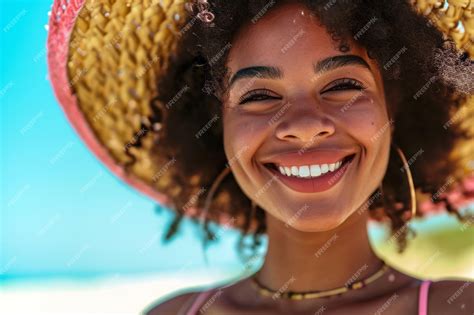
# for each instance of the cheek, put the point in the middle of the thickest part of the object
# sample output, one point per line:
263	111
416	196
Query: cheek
368	124
243	135
367	121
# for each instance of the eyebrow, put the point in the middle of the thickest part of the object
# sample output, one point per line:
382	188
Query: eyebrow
324	65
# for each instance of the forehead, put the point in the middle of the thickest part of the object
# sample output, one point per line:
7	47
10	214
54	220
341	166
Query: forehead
286	33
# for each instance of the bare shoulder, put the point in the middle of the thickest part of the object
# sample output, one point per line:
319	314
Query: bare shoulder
179	304
174	304
451	297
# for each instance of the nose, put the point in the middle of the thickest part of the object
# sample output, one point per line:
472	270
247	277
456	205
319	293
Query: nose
304	122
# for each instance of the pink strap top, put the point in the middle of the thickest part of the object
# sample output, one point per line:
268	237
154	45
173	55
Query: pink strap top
198	302
422	300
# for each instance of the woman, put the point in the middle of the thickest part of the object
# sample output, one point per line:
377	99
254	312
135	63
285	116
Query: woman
295	119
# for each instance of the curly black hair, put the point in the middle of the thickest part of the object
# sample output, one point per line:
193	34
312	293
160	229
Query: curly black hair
424	101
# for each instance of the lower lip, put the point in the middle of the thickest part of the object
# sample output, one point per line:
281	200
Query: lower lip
312	185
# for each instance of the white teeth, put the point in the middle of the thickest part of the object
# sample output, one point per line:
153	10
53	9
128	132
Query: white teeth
315	170
294	170
306	171
282	170
303	171
324	168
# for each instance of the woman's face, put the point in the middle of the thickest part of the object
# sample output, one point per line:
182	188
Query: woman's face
300	112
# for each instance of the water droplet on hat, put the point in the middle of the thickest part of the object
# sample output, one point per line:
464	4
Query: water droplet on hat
157	126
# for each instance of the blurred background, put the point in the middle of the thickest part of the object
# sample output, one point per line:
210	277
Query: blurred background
75	240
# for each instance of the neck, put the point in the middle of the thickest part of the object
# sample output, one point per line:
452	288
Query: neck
317	261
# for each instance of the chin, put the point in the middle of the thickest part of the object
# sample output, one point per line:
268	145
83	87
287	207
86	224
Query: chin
314	221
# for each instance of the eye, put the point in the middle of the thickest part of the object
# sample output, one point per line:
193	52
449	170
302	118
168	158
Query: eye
343	85
256	95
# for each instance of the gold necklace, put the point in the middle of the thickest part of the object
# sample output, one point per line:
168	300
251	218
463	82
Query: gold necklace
318	294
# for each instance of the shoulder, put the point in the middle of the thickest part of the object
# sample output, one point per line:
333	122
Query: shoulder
179	304
451	297
174	304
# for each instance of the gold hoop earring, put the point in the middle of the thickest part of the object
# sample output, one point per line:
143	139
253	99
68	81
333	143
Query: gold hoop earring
409	179
213	190
253	209
254	205
211	193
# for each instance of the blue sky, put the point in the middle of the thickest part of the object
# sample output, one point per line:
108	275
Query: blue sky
62	211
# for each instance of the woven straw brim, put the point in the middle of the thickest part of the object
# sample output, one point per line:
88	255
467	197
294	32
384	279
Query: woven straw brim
115	54
119	50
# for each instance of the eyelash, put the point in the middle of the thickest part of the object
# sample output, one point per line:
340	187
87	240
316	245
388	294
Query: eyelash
350	84
339	85
252	95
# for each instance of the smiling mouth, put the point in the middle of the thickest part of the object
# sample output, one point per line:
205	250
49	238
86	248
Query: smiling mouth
309	171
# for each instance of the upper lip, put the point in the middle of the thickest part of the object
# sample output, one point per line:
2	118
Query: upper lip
300	158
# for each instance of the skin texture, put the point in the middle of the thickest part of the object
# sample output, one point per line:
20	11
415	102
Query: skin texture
313	120
309	118
322	247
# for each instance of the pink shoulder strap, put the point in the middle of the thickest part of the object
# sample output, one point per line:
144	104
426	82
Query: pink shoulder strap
423	297
197	304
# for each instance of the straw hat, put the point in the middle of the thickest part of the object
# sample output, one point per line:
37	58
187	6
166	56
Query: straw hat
106	57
